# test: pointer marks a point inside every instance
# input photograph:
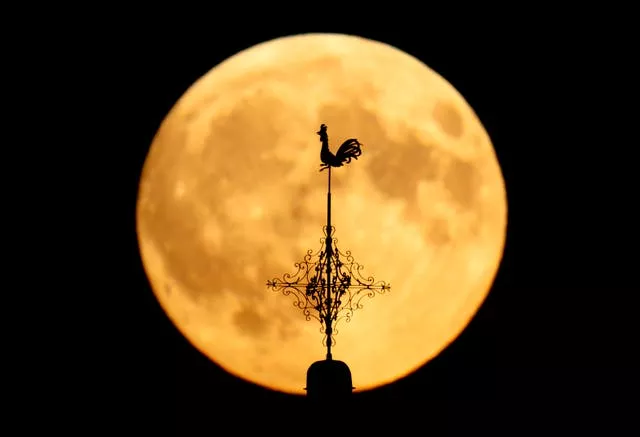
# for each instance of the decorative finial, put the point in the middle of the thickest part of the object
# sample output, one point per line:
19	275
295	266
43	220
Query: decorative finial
328	284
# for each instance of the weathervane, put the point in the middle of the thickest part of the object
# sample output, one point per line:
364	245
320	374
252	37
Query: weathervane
328	284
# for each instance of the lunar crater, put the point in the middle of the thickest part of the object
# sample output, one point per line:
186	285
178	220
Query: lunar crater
448	118
463	181
250	322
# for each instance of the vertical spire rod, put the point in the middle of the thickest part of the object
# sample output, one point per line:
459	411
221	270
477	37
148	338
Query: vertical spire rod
329	256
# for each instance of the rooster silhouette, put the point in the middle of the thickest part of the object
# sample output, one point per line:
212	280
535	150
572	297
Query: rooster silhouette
349	149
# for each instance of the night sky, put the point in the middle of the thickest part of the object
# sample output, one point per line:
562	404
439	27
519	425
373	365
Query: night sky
554	335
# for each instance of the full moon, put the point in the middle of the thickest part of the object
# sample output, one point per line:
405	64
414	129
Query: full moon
230	196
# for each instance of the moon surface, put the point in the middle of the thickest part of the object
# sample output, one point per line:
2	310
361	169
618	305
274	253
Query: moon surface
231	196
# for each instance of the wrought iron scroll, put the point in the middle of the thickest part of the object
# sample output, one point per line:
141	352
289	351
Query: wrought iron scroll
348	288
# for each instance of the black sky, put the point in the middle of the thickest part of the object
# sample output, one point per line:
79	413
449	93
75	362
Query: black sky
555	332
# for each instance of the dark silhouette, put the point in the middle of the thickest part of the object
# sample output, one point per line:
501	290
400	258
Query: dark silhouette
329	286
329	379
349	149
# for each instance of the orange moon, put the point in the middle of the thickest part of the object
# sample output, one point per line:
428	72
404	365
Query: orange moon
231	196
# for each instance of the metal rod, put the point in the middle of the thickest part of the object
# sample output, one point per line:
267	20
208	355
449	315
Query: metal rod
329	255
